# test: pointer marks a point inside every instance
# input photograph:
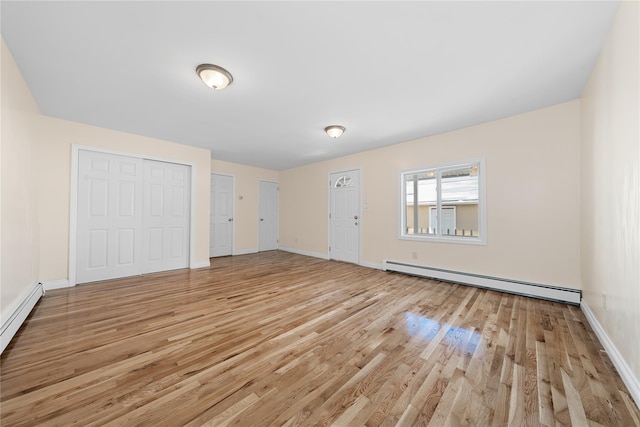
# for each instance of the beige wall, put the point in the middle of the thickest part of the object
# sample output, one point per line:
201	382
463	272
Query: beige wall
36	182
611	186
54	165
533	198
303	207
19	231
247	201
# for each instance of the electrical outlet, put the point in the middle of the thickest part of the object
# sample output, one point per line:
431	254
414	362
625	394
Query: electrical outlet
414	255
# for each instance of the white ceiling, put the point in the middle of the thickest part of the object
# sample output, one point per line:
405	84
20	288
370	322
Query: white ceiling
387	71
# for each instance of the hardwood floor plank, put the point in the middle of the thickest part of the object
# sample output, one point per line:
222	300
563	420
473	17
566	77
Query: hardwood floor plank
576	410
282	339
230	414
545	399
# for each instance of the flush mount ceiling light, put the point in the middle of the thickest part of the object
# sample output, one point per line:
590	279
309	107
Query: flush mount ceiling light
217	78
334	131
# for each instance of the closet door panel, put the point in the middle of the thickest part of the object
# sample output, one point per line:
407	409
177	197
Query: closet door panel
109	227
166	216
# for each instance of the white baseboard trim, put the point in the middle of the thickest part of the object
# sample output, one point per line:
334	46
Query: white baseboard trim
632	383
56	284
303	252
201	264
552	293
377	266
246	251
15	316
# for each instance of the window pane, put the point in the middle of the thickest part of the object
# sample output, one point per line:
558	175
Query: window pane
420	196
344	181
460	197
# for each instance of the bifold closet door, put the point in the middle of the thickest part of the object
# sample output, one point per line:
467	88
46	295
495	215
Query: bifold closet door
133	216
109	227
165	239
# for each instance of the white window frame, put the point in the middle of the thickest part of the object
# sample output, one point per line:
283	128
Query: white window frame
438	237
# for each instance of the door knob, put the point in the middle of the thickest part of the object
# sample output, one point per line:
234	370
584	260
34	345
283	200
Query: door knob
355	217
230	219
261	219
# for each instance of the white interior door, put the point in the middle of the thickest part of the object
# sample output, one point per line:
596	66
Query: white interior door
165	244
221	215
109	225
344	242
268	215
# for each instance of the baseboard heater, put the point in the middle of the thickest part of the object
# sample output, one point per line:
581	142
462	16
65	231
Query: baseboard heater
18	314
552	293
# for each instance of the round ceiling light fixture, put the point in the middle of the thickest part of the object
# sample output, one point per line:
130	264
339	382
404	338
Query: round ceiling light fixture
334	131
217	78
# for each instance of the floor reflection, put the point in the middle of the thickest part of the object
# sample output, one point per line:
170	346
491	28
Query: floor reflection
427	329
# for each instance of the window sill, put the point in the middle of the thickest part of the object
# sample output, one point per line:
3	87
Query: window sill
439	239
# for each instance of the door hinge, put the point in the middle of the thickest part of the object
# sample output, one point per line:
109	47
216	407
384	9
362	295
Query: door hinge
329	248
329	216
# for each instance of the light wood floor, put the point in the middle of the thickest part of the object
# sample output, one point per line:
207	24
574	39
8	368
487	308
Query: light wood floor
282	339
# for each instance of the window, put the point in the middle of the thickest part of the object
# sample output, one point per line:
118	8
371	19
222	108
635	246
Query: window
444	203
344	181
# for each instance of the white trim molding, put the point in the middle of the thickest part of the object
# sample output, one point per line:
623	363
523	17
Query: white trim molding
303	252
536	290
632	383
246	251
15	315
56	284
374	265
200	264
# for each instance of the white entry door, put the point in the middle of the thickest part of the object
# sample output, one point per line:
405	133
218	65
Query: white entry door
109	227
165	236
221	215
268	215
345	216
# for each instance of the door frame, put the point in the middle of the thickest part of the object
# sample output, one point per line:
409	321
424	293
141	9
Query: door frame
277	213
73	202
360	222
233	209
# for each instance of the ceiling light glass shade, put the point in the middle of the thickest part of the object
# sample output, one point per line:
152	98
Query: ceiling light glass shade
215	77
334	131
